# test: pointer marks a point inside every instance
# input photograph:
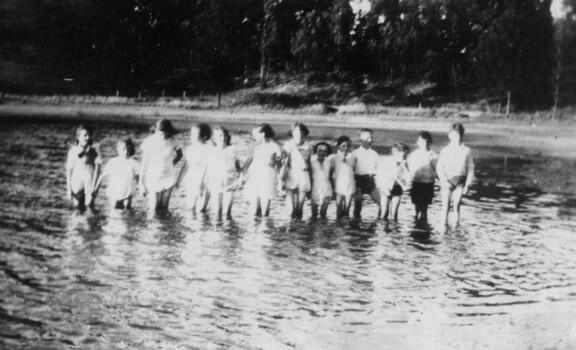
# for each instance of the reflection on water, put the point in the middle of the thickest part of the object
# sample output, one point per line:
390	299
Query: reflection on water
125	280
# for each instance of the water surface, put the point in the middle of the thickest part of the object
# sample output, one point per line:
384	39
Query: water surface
129	281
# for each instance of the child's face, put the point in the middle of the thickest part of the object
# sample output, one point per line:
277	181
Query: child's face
297	135
84	137
454	136
219	138
345	147
322	152
122	149
161	133
258	134
422	143
398	155
195	135
366	139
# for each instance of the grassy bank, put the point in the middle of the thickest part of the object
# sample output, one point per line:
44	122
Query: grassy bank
288	101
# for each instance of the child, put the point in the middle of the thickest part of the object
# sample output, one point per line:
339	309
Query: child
455	169
296	171
344	163
158	175
82	170
365	172
322	185
194	169
393	176
422	165
223	168
261	169
123	171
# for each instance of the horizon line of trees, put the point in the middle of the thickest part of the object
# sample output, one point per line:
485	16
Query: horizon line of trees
467	49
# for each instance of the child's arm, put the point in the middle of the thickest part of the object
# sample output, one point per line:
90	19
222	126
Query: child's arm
470	172
143	169
440	169
69	168
178	156
182	173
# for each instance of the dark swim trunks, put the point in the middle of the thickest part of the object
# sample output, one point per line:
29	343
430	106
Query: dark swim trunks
456	181
365	183
422	193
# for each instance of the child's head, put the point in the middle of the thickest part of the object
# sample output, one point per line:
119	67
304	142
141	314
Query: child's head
456	132
164	127
263	131
221	137
399	151
125	148
322	150
299	131
200	132
424	140
366	138
344	144
84	135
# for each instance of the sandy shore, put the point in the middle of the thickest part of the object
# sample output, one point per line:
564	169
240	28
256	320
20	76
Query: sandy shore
551	138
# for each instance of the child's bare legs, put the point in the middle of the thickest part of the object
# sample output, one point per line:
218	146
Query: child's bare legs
164	199
457	199
314	209
261	206
204	199
266	206
385	205
421	212
228	199
345	204
340	205
292	202
446	196
79	200
324	207
358	202
395	204
301	197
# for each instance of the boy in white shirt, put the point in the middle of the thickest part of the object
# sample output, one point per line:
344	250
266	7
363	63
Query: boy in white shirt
455	170
422	165
365	172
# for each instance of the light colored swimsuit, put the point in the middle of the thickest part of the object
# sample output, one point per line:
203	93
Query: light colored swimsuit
344	183
261	176
321	186
161	173
298	175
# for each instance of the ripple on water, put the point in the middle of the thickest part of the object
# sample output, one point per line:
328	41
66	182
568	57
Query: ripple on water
105	280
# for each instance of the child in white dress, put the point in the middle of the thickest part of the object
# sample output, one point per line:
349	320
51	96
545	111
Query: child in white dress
344	164
122	172
82	170
222	174
322	170
296	169
193	171
158	173
392	177
261	170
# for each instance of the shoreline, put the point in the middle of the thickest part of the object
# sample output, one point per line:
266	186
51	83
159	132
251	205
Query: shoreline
551	138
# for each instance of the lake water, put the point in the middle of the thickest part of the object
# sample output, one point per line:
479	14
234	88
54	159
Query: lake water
505	279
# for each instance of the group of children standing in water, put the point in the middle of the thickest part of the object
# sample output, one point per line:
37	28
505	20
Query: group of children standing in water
212	172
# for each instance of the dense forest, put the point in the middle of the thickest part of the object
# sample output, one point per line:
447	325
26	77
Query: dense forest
459	50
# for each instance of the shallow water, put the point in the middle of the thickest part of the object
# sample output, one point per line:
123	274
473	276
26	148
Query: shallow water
128	281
